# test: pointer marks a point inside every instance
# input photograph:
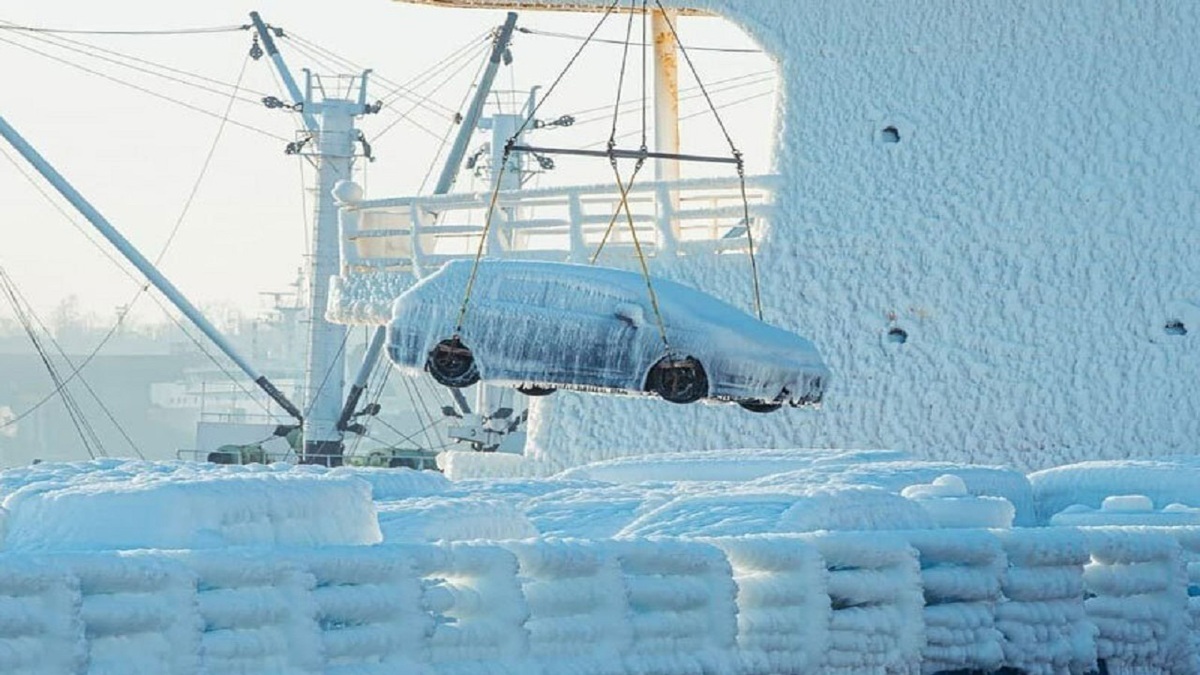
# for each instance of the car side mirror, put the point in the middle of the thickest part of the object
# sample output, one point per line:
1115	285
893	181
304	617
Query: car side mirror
631	314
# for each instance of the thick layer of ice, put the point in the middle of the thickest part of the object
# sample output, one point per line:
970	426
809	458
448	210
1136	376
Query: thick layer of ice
747	511
131	505
450	519
947	501
564	325
1164	481
720	465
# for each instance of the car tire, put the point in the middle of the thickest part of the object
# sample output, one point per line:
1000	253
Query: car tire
678	380
452	364
759	406
534	390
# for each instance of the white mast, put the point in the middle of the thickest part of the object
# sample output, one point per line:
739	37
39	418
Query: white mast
329	121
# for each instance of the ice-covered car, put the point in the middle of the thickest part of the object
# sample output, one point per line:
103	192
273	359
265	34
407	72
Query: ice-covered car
540	326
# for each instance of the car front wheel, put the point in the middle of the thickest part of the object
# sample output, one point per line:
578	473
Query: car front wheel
452	364
678	380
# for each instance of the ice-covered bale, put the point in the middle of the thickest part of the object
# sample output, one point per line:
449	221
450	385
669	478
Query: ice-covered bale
368	608
578	616
947	501
258	612
452	519
682	607
961	576
747	511
1137	596
397	483
722	465
139	612
874	587
40	630
1045	626
478	609
895	475
1126	510
593	512
1163	481
467	465
185	509
783	606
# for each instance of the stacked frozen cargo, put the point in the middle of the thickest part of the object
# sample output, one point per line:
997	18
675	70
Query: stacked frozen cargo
1045	628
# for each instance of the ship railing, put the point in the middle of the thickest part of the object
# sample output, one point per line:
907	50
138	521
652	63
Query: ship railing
418	233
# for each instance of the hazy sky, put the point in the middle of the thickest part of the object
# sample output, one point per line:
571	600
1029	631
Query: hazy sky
137	157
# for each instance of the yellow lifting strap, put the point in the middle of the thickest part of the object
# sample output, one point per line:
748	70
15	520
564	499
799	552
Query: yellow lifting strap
641	256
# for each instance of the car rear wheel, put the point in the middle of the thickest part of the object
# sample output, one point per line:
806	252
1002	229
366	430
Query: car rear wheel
452	364
533	390
759	406
678	380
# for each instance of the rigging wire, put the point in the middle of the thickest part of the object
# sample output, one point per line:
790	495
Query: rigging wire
408	87
628	105
83	47
143	286
449	129
406	115
86	434
328	372
348	63
212	149
569	36
63	355
145	90
162	31
424	407
380	381
737	154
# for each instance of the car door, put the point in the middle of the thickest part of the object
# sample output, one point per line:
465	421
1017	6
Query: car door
602	333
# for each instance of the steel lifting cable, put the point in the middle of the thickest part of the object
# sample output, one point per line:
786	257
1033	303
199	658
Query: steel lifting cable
487	224
737	155
86	434
612	136
624	189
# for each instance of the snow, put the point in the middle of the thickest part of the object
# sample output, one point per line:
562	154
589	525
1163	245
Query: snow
948	503
577	575
104	506
449	519
1164	480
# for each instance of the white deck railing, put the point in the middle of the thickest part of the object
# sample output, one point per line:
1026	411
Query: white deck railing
418	233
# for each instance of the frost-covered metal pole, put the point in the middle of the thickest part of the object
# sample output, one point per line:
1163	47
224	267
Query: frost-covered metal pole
471	119
325	375
289	82
140	261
